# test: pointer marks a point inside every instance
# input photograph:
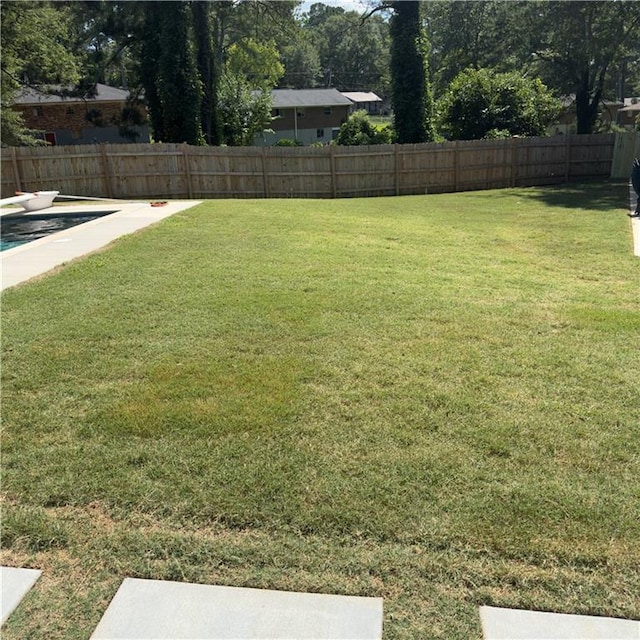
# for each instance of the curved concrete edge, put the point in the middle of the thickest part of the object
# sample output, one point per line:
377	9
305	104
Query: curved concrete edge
35	258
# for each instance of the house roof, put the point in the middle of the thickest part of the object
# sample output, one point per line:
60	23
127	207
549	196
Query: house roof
631	106
283	98
362	96
104	93
570	101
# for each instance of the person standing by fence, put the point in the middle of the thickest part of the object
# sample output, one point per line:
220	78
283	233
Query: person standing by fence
635	181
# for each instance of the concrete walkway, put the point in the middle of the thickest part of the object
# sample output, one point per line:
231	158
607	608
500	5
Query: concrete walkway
35	258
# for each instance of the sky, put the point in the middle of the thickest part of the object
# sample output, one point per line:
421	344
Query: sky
347	5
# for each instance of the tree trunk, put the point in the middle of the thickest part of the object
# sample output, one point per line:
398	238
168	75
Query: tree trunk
587	103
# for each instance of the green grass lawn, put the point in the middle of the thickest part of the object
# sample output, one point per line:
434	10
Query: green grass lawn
431	399
381	121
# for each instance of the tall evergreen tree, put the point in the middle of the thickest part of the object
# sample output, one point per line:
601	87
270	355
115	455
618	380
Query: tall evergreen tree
411	99
209	71
150	51
170	73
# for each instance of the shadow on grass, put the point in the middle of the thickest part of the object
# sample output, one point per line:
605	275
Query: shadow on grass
600	196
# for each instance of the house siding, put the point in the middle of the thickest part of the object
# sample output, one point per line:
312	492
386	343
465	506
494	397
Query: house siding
372	108
314	124
309	117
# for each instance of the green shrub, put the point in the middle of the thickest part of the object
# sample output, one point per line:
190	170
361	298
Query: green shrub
359	129
288	142
495	134
481	103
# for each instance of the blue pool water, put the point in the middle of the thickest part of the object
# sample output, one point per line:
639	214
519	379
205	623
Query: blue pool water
16	230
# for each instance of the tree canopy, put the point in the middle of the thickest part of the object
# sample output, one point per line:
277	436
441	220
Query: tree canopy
589	51
576	45
474	34
36	49
188	59
483	103
353	52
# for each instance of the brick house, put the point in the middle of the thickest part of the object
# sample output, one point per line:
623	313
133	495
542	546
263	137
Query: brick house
106	116
305	115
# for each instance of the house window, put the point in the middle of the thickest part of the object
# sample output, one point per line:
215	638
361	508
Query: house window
300	113
276	113
327	111
70	111
319	133
38	111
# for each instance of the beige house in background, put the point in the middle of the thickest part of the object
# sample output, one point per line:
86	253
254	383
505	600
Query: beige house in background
620	113
365	100
305	115
629	114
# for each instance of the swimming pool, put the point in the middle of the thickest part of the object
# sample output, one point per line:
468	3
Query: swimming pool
16	230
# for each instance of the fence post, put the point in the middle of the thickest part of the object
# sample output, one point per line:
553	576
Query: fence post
397	160
456	166
186	157
625	149
514	161
567	160
332	161
16	169
265	175
106	169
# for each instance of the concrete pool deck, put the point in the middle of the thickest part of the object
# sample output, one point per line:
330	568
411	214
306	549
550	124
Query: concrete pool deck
35	258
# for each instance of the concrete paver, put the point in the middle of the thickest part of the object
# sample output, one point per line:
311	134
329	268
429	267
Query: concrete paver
14	584
163	609
515	624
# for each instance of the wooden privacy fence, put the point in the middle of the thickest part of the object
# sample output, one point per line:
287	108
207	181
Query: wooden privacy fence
132	171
